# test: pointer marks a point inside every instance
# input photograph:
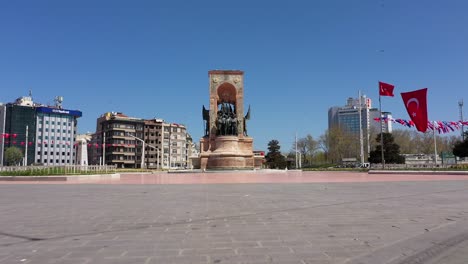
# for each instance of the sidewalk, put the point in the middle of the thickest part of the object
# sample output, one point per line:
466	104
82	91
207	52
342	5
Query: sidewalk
257	223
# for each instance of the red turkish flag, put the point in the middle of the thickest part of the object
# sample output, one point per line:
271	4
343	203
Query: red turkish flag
416	105
386	89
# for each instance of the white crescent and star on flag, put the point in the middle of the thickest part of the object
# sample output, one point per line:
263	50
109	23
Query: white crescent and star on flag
417	105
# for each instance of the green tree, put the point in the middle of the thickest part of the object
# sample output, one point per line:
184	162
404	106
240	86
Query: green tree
391	151
307	147
13	156
338	144
461	148
274	158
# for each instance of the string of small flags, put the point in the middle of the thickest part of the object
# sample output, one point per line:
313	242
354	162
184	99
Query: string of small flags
442	127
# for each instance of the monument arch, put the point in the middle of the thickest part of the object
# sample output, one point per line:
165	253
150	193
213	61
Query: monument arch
225	144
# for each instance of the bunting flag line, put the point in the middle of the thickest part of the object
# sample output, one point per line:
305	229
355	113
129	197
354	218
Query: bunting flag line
6	140
441	126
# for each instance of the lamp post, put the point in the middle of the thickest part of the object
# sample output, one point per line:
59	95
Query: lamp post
157	159
143	151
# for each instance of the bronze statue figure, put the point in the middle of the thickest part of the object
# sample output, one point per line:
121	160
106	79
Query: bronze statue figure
206	117
247	117
226	120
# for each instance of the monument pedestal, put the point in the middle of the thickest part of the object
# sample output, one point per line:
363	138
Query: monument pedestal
227	153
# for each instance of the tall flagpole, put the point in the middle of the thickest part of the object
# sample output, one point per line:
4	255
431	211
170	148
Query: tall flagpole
295	140
381	131
361	143
435	147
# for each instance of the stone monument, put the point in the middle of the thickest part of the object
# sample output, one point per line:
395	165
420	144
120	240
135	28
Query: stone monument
226	144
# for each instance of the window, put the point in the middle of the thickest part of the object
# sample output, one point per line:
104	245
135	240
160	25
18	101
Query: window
53	122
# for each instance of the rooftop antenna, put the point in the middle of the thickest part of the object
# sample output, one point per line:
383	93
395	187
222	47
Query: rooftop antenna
58	101
460	105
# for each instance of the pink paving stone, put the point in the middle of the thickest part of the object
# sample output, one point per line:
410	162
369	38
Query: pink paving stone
253	177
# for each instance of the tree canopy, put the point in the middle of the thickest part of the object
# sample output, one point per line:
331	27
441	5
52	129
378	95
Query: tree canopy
274	158
461	148
391	151
307	147
13	156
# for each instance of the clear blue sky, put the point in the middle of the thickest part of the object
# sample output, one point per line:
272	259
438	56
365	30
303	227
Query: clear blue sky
151	58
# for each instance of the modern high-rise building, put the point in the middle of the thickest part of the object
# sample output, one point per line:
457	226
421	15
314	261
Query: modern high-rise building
45	133
347	117
119	141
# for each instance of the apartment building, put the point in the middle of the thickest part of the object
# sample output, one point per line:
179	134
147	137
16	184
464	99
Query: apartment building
115	141
119	140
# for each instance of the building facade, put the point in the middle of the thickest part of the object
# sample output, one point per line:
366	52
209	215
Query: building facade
347	117
119	140
115	143
386	125
45	133
55	135
174	146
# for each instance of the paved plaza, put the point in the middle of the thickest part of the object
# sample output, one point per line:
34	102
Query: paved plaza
283	217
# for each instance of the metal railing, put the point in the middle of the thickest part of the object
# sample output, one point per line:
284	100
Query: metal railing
428	166
57	170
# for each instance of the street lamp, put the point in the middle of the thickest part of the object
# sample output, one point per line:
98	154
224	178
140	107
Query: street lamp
157	159
143	151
